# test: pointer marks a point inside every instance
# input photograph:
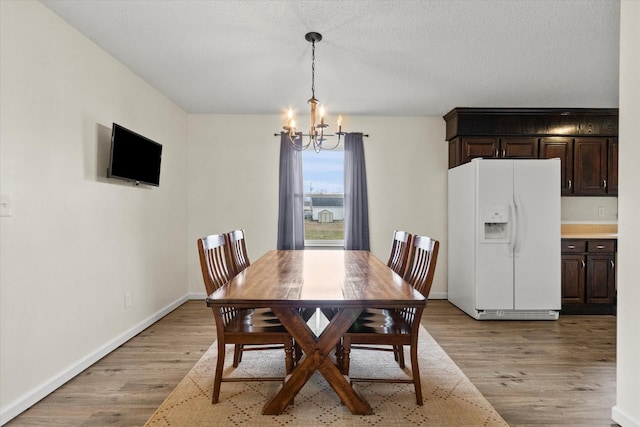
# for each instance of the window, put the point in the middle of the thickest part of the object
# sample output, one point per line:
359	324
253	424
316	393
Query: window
323	177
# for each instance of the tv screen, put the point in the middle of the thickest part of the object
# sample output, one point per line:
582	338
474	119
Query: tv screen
134	157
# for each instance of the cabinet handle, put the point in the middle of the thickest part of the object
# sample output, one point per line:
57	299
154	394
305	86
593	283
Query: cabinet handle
571	246
599	246
497	153
583	264
569	184
604	181
612	264
504	153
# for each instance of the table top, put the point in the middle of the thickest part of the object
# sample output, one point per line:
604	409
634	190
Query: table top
317	278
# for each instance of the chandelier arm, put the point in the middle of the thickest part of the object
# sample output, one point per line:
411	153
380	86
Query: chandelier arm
301	146
335	146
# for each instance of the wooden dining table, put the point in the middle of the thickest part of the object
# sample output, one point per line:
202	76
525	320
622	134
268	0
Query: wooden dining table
342	282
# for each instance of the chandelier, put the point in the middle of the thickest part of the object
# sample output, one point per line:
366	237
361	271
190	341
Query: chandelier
316	134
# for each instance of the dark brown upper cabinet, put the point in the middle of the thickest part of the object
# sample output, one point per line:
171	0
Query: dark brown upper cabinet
498	148
590	166
585	140
562	148
612	188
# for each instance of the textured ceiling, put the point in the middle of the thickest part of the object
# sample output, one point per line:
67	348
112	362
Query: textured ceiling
399	58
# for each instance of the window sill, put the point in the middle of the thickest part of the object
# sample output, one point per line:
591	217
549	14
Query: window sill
310	244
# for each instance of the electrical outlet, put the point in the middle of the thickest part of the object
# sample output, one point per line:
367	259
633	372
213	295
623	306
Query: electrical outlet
5	204
127	299
600	211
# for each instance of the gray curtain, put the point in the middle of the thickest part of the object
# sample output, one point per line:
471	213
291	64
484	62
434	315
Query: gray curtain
356	205
290	200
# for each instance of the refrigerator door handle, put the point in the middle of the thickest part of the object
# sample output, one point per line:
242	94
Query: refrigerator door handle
517	223
513	228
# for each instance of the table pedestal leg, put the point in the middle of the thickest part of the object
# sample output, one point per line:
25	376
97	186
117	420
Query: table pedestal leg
316	357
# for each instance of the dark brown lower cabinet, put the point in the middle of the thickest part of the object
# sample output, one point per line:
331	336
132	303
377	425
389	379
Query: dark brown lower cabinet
588	276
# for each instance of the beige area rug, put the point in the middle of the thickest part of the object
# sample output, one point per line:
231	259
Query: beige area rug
449	397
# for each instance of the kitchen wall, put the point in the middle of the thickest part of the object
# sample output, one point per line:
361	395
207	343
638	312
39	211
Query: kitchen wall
589	210
233	182
77	242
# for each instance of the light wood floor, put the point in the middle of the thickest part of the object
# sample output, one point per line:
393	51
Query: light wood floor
534	373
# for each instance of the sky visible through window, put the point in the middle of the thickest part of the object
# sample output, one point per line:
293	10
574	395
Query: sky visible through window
323	172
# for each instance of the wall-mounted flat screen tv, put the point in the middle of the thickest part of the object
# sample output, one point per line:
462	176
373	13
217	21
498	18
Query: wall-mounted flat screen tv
134	157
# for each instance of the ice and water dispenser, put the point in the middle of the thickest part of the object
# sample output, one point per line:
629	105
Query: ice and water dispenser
495	225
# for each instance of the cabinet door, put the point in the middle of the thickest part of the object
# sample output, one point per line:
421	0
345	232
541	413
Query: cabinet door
573	278
519	148
562	148
473	147
612	187
590	166
600	279
454	153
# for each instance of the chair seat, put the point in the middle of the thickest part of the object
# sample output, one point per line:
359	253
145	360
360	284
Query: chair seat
255	320
380	322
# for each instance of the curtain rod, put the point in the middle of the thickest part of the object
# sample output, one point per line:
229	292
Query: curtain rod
366	135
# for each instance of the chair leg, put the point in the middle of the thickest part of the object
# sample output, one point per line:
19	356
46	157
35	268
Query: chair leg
217	380
339	356
237	355
288	354
400	353
415	370
345	354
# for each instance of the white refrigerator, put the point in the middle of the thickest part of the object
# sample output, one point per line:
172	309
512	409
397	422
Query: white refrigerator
504	238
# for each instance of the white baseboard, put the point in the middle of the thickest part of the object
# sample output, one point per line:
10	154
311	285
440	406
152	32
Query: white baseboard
438	295
620	417
197	295
34	396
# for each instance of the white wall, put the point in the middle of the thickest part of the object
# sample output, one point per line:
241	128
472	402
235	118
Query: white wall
77	241
586	210
233	182
627	409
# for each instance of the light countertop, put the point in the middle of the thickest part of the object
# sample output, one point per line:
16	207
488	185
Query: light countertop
589	231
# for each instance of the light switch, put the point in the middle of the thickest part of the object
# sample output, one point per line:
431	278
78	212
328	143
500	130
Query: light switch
5	204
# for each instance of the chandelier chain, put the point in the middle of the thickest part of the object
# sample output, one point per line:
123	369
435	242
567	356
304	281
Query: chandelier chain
313	69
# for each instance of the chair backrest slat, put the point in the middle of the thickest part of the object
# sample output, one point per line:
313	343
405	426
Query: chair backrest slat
215	261
422	263
238	249
399	255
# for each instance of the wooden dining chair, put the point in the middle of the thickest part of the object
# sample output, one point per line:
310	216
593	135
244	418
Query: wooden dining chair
398	259
238	248
234	325
240	261
397	327
400	247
